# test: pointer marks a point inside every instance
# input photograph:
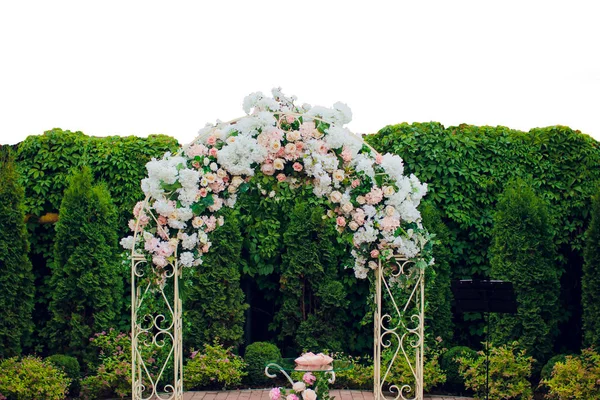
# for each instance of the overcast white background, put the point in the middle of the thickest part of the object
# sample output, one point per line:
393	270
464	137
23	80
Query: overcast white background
137	68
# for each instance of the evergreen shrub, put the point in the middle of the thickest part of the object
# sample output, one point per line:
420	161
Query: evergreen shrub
450	366
70	366
578	378
214	367
523	253
590	282
256	356
88	288
16	279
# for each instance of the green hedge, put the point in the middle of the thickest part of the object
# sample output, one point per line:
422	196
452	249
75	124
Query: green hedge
16	279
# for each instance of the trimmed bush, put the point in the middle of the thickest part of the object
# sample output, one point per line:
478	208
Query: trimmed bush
256	356
32	378
450	366
578	378
86	275
509	369
70	366
214	367
16	279
547	370
523	253
590	282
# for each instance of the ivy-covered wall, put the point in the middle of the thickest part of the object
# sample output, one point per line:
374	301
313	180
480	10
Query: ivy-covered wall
467	167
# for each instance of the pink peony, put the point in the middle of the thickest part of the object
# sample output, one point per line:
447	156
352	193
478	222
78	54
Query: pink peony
281	177
159	261
389	223
297	167
341	221
196	150
151	244
374	196
309	378
275	394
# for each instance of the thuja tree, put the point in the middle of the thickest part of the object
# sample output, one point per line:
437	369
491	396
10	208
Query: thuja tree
438	296
590	296
214	302
16	278
523	253
86	281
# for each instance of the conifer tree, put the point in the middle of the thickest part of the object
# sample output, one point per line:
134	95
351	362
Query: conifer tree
16	279
86	281
523	253
590	285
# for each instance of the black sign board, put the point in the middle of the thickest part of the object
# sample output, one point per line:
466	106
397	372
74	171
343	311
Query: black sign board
475	295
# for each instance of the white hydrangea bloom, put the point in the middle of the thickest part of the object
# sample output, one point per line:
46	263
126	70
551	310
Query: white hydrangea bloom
418	189
337	137
164	207
345	113
237	157
408	212
189	178
186	259
393	166
363	163
184	214
188	242
127	242
152	188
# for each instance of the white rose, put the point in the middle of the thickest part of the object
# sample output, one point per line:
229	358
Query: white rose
214	166
237	181
372	265
210	178
290	148
278	164
388	191
309	394
389	211
317	134
206	161
204	181
338	175
299	386
197	222
335	196
353	225
232	189
361	200
347	207
221	173
275	146
230	139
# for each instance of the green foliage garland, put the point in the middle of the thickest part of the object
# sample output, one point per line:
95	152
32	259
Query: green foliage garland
590	290
16	278
88	291
522	253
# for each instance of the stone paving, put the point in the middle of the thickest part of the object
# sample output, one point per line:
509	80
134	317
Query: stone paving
263	394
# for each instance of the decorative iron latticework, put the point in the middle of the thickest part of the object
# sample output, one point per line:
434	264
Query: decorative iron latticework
156	324
399	329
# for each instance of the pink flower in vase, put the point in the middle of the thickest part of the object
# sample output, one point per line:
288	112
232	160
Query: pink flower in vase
309	378
275	394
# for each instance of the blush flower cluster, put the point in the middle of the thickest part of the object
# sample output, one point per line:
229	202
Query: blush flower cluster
370	196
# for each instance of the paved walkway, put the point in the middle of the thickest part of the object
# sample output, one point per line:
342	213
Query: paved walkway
263	394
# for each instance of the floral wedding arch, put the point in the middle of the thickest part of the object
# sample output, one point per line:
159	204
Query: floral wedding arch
368	193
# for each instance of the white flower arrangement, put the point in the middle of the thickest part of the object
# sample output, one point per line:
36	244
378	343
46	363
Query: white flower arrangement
370	196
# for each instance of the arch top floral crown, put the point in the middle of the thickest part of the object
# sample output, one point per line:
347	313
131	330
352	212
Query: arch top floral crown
298	145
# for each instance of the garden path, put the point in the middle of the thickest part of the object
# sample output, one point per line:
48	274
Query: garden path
263	394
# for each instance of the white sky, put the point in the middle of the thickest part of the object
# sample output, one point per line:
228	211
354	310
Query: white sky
125	67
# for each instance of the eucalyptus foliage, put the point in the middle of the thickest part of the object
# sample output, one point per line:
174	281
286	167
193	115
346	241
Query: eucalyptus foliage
523	253
591	279
16	278
87	285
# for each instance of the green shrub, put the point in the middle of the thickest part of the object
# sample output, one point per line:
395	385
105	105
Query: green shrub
214	367
113	374
32	378
359	377
16	280
547	370
401	372
523	253
450	365
86	278
577	378
590	282
256	356
70	366
509	371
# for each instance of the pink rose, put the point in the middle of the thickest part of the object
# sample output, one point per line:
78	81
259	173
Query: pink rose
202	192
275	394
341	221
355	183
138	207
213	152
359	216
290	119
378	158
291	397
299	146
390	223
374	253
297	167
374	196
162	220
212	139
280	177
196	150
267	169
346	154
309	378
